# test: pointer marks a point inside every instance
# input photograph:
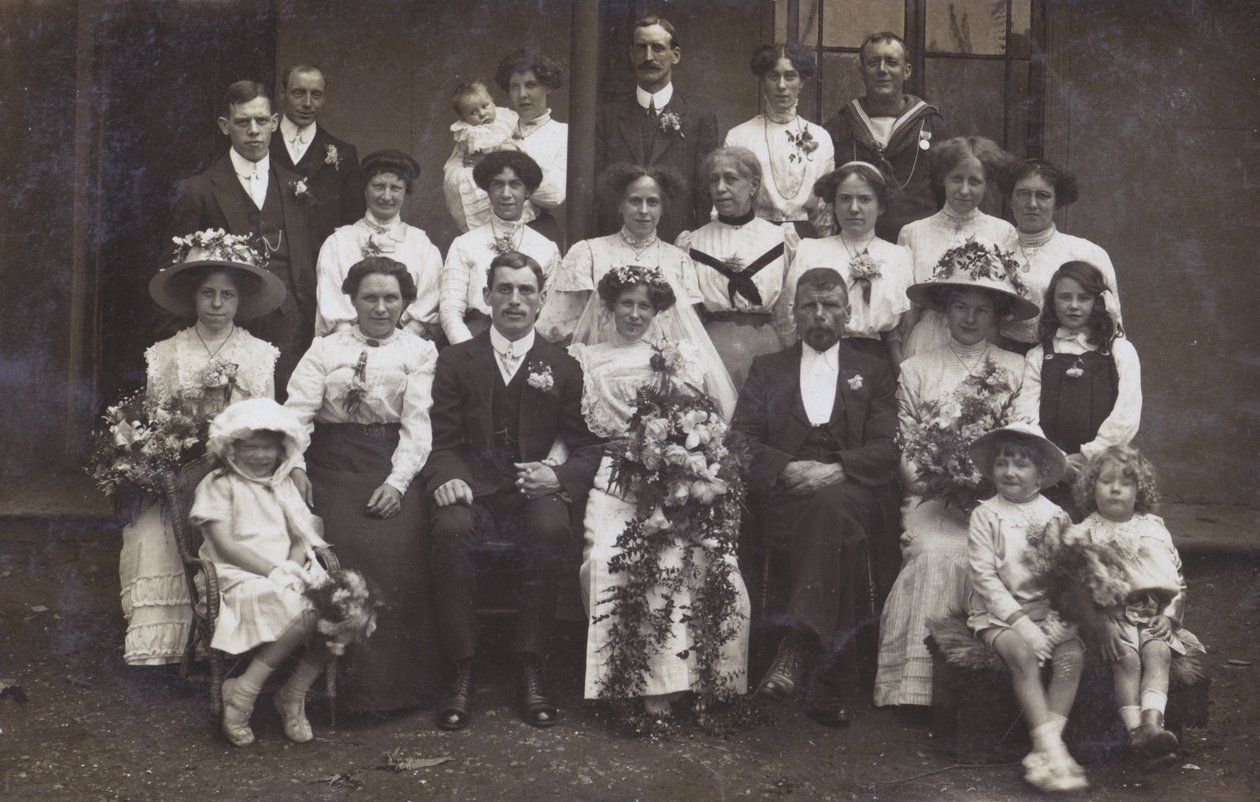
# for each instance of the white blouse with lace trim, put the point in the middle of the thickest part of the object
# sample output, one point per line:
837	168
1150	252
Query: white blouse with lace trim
398	389
176	366
612	373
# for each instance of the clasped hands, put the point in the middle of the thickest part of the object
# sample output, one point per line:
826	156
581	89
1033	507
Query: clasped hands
296	576
806	477
533	479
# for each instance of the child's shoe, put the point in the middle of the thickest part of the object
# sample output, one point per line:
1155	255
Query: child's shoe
1054	771
236	715
1154	746
292	710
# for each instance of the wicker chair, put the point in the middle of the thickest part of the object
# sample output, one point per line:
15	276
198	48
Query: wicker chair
178	490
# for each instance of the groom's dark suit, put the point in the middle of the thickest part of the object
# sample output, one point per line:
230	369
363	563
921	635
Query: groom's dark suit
824	529
216	199
481	426
626	132
333	177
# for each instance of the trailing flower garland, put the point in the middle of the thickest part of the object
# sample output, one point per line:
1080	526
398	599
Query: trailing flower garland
681	468
939	446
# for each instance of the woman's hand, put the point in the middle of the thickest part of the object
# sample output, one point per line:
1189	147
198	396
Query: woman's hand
1076	464
536	479
386	502
1160	627
303	485
1034	637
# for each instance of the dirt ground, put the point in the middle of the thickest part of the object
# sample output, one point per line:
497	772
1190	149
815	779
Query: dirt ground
92	728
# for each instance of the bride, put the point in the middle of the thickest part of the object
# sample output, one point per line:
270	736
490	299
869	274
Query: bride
614	372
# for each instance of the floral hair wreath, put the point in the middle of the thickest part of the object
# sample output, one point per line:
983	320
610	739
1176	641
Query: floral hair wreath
630	275
215	244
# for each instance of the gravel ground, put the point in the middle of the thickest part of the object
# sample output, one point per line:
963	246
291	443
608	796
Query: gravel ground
92	728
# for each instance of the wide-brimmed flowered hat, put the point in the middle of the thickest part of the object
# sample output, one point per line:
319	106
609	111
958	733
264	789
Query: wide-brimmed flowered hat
976	264
208	251
243	418
984	447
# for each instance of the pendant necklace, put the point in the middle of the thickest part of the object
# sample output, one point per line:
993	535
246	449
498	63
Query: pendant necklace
215	352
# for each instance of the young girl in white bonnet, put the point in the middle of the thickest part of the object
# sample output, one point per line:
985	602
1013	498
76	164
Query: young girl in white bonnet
261	537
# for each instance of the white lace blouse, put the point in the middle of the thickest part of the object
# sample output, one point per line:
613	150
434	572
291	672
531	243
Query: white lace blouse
464	274
179	367
790	169
350	244
1038	264
397	388
612	373
888	301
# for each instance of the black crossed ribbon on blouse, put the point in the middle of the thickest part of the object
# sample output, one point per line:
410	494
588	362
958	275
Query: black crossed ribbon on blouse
740	281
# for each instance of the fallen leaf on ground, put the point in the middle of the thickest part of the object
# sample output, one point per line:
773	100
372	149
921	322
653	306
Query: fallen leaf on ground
397	761
38	608
1234	662
347	780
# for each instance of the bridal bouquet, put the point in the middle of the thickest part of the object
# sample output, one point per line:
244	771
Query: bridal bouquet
938	446
139	442
679	466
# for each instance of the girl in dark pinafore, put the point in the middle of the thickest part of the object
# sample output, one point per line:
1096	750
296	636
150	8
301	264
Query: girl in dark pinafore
1083	382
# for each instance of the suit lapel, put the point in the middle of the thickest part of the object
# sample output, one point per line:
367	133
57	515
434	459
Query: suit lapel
231	197
665	139
849	382
628	125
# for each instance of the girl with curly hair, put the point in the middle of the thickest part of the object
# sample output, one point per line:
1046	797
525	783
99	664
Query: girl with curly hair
1117	487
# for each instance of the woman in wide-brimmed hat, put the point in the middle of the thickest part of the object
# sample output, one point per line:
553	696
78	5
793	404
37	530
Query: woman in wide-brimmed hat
216	279
946	396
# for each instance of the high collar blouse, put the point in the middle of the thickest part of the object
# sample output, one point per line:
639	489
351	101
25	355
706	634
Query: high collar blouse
741	245
888	292
464	274
1038	265
793	156
350	244
398	388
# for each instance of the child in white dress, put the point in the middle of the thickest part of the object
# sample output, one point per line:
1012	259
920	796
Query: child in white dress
1118	488
481	128
261	537
1008	608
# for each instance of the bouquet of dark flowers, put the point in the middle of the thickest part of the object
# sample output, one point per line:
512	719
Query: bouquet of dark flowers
345	607
682	469
139	442
939	445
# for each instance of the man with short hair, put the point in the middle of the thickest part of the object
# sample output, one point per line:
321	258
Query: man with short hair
891	130
246	192
500	400
657	127
820	419
334	196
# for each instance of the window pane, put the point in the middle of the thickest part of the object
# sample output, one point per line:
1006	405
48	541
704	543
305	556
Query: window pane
1020	43
840	83
967	26
970	93
846	22
1020	109
809	10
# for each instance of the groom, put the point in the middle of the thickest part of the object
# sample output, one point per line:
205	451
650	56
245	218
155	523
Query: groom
499	402
820	418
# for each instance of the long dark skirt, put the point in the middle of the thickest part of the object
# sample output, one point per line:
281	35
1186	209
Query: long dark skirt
401	664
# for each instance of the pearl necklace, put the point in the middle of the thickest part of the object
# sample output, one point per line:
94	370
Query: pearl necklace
639	246
766	119
1031	244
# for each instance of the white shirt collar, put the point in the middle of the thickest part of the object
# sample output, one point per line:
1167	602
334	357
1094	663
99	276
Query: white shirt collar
1067	335
289	129
661	98
524	129
830	358
519	347
245	168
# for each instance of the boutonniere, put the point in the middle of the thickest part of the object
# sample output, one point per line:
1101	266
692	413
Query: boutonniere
220	377
862	271
670	121
302	191
541	378
331	156
803	145
734	263
855	382
1077	370
358	385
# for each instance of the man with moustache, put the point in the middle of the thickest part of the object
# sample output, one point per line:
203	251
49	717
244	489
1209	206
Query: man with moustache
890	129
820	420
334	196
246	192
500	400
658	127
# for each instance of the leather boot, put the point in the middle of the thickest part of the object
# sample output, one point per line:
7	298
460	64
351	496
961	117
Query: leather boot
453	712
536	706
783	679
1154	746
